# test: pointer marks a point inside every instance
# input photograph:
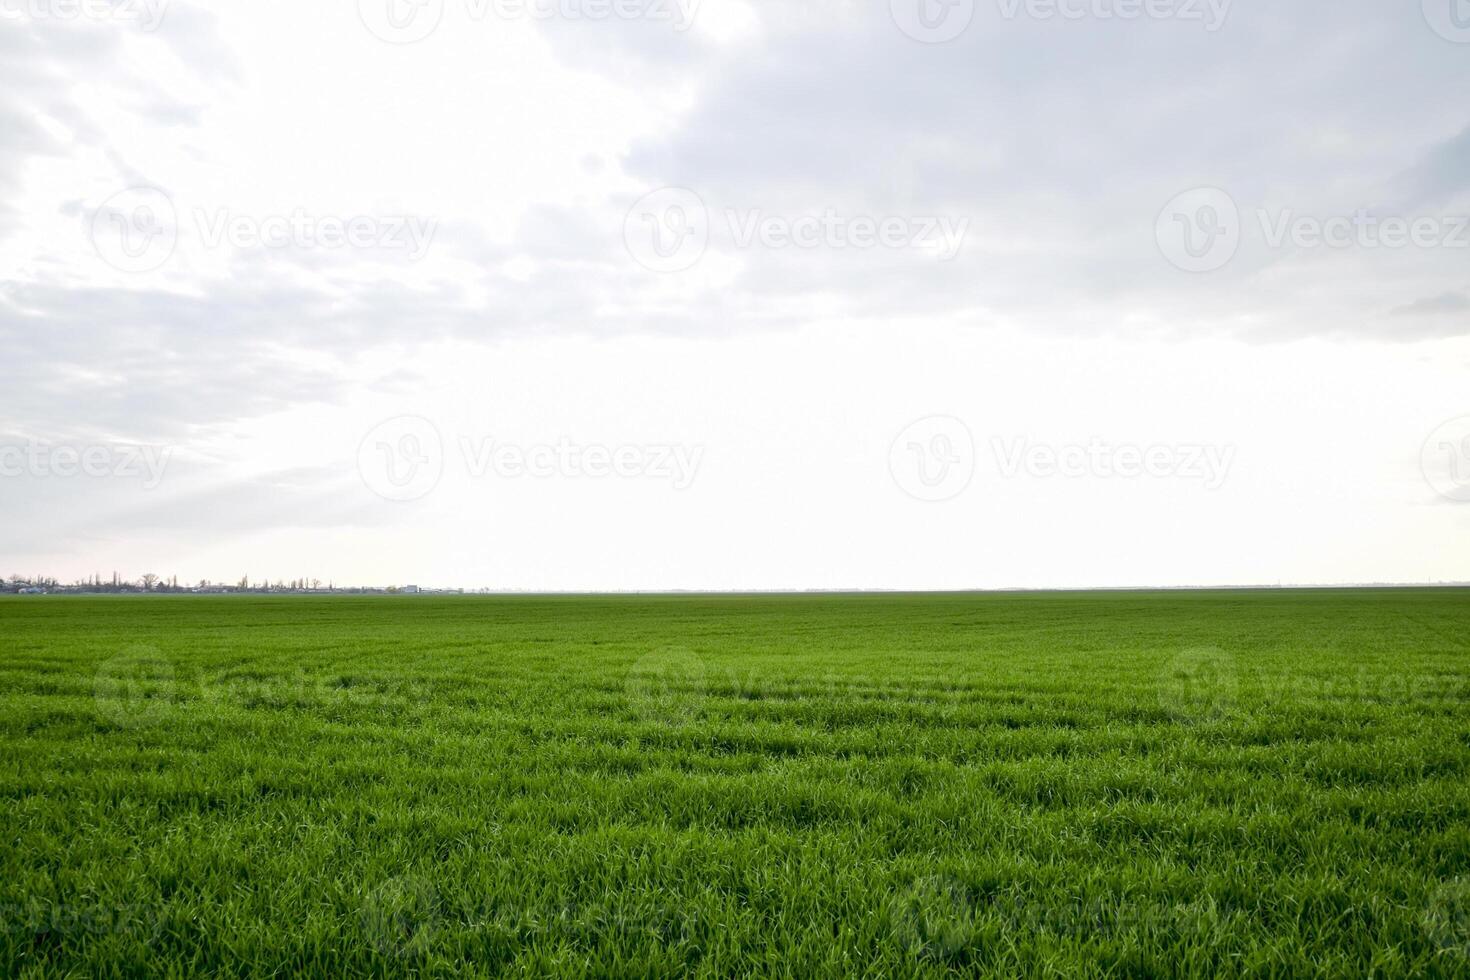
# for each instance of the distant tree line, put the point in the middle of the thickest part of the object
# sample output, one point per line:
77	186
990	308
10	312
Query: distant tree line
151	583
148	582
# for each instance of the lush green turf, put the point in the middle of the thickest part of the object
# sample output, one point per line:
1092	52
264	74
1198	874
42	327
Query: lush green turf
1106	784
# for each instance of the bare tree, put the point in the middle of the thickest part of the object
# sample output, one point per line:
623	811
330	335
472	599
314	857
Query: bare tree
149	581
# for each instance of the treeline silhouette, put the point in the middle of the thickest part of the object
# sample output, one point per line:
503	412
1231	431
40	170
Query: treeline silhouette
97	585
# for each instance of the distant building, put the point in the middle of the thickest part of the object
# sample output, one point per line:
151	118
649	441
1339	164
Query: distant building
411	589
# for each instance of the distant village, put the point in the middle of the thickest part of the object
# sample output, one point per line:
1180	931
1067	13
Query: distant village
150	583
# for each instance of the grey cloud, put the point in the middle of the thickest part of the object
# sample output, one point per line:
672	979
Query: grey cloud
1442	174
304	497
146	365
1063	141
1433	305
1058	142
70	515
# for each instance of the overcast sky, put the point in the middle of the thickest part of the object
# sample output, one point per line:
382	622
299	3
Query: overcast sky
725	294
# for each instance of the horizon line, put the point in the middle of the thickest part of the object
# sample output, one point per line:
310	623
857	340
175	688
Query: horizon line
181	590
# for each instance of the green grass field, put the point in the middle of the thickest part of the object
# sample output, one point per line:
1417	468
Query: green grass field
1162	784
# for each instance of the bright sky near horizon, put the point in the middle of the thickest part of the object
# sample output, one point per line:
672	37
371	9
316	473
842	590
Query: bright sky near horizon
717	294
